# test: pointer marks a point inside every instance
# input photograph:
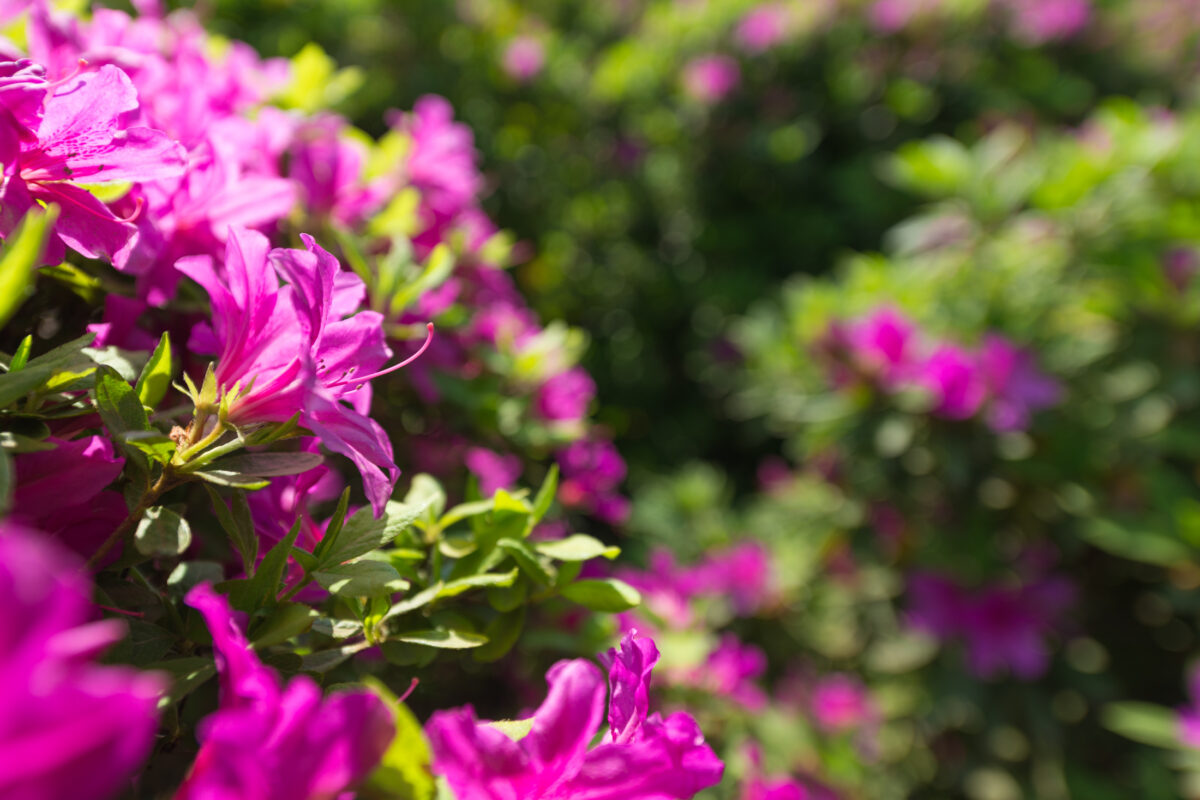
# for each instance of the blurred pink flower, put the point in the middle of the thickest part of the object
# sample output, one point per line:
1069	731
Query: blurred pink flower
763	27
841	702
710	78
524	58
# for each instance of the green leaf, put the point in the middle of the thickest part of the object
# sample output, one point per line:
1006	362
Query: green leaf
19	261
464	510
15	385
606	594
460	585
577	547
1143	544
442	638
239	525
187	675
403	772
118	403
7	482
188	574
155	379
361	579
506	598
162	533
145	643
545	495
154	444
421	598
1143	722
234	480
502	633
425	492
254	593
268	465
334	529
362	533
530	562
286	621
21	356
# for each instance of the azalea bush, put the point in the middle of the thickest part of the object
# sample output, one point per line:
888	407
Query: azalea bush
229	317
317	390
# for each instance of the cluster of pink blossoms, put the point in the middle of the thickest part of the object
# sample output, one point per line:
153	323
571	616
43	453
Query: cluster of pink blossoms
195	154
1004	628
164	158
999	381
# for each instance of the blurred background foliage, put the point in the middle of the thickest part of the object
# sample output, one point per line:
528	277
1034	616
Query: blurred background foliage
715	212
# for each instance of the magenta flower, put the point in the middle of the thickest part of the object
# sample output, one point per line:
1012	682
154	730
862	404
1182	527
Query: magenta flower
640	758
193	215
763	27
710	78
1016	387
275	742
298	348
565	396
757	787
953	376
1004	628
841	702
494	471
83	516
442	161
592	471
741	572
1039	21
76	136
730	671
883	344
328	167
70	729
773	789
524	58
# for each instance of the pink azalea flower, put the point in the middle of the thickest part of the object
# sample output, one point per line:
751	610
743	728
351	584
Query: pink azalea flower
70	729
565	396
841	702
76	136
953	376
640	758
731	671
1016	387
299	348
274	742
592	471
524	58
494	471
441	163
1004	627
83	517
328	167
1039	21
763	27
710	78
884	344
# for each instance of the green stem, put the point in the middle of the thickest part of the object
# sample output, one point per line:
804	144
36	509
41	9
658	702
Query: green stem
216	433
